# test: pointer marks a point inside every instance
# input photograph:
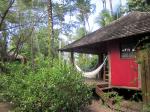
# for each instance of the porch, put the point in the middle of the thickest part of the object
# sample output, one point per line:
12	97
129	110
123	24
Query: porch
94	82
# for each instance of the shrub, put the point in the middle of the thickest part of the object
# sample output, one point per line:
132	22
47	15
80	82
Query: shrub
115	98
146	108
56	89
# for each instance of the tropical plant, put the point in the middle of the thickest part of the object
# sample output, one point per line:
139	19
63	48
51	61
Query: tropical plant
104	18
85	8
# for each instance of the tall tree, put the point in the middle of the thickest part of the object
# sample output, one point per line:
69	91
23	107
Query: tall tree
104	4
5	7
50	27
104	18
111	7
85	8
4	10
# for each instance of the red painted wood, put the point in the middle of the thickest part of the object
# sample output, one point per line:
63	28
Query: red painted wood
124	72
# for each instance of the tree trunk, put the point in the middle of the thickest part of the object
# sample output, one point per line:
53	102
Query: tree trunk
111	8
11	2
50	28
72	58
84	24
104	4
120	3
3	52
3	37
32	53
144	58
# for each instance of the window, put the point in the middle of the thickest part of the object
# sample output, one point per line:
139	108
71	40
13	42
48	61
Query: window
127	50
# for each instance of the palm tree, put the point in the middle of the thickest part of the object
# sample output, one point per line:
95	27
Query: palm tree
50	28
85	8
104	18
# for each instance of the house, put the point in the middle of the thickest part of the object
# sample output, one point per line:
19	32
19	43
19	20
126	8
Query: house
118	41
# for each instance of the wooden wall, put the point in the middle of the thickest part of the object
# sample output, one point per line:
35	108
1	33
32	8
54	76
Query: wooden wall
124	71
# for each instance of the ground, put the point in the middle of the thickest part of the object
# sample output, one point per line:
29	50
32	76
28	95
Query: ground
125	106
5	107
96	106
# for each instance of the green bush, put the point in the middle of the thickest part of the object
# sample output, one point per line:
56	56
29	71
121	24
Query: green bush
114	96
146	108
55	89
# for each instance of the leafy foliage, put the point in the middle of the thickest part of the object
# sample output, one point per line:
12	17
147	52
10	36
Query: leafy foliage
87	62
138	5
146	108
114	95
104	18
85	9
55	89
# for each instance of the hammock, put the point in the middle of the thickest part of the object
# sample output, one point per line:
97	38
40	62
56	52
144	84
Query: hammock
93	73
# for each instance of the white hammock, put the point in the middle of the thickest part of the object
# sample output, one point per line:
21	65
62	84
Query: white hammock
93	73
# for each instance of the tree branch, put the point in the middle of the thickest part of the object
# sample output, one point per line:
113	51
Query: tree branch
5	13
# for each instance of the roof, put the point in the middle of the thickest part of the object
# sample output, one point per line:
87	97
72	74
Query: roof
134	23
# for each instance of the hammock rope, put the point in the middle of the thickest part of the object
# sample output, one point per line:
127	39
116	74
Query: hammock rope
93	73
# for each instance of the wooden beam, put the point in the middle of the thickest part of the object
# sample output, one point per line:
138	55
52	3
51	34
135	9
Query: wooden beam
125	87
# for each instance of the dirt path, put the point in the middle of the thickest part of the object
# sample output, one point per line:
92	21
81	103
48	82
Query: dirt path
126	106
97	106
5	107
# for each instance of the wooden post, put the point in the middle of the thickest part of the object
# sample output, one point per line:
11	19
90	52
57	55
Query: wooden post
144	88
148	75
145	75
100	60
72	58
109	69
104	72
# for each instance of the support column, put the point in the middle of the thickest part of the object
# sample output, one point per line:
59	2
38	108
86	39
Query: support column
145	75
100	61
72	58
